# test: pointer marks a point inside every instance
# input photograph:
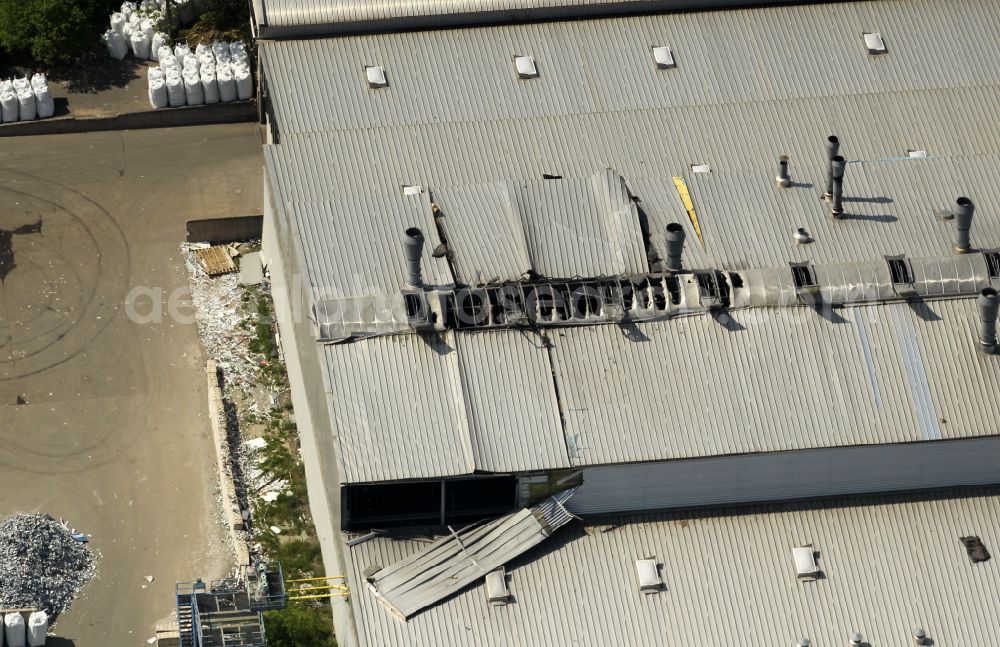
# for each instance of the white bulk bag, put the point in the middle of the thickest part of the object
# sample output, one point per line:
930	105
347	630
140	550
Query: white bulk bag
9	107
128	8
159	41
163	52
175	89
169	62
21	83
44	103
38	627
26	104
158	93
140	44
209	84
182	51
38	80
244	83
117	47
221	51
14	629
191	62
117	22
227	84
193	88
148	26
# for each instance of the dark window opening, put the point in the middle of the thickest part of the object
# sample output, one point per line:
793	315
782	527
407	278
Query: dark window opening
674	288
803	276
993	264
736	280
415	306
474	499
976	550
899	270
392	504
420	503
659	297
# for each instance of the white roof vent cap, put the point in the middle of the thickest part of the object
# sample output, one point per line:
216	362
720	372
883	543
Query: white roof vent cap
376	76
649	575
874	43
663	57
805	562
525	66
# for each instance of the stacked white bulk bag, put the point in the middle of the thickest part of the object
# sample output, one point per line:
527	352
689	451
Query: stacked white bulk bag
163	52
221	51
238	52
175	88
14	629
191	62
140	44
116	44
227	84
118	21
26	107
160	41
38	627
44	104
182	52
157	89
244	83
9	106
204	54
193	88
209	84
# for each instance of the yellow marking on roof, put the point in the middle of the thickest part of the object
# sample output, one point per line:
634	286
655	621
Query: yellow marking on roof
685	195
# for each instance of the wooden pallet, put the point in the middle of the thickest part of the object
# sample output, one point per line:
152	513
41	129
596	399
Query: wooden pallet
216	260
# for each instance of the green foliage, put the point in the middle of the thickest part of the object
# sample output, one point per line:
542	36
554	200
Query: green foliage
299	626
301	558
52	31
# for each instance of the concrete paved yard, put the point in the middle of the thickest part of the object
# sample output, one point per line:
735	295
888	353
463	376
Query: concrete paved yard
114	435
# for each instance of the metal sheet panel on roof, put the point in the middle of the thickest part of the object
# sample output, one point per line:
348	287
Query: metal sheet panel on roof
397	409
764	380
406	406
513	410
890	564
355	249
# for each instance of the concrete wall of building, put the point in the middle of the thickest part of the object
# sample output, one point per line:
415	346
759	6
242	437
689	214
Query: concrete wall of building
309	396
223	230
784	476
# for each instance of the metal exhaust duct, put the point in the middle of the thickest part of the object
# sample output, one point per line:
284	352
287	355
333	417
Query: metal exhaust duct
919	637
783	180
989	304
832	150
839	165
413	247
963	211
856	640
675	246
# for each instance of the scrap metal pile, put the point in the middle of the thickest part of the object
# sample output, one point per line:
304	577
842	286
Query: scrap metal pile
43	564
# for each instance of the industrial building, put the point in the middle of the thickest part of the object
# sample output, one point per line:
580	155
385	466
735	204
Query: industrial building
666	262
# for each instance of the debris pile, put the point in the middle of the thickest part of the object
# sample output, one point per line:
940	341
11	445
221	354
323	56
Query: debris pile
224	326
42	564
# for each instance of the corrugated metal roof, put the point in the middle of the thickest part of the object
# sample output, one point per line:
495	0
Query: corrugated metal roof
558	228
397	409
724	59
412	407
767	380
356	248
407	406
307	18
890	565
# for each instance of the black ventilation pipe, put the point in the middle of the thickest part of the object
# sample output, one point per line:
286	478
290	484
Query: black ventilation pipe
832	149
839	165
675	246
413	247
963	211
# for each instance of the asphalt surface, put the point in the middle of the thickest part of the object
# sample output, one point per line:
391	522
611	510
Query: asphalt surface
103	420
